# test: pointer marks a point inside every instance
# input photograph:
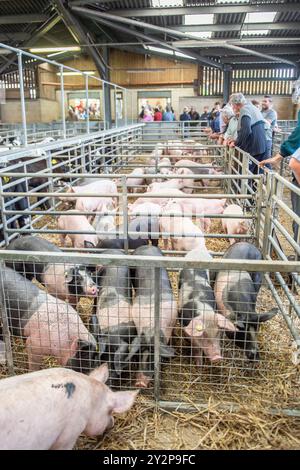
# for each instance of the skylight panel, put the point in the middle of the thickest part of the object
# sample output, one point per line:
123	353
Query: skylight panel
167	3
200	34
259	17
255	32
199	19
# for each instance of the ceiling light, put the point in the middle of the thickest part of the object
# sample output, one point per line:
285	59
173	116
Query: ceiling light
199	19
159	49
200	34
180	54
56	53
77	73
259	17
232	1
54	49
167	3
255	32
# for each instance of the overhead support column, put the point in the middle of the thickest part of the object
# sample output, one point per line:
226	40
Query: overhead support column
106	91
82	35
227	83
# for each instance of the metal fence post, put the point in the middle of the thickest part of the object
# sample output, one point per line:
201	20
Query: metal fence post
259	199
125	108
5	324
104	104
245	169
116	108
22	98
157	295
268	213
62	98
83	160
51	186
3	215
125	213
87	103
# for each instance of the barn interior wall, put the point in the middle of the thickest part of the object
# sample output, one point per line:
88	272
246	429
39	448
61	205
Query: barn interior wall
177	78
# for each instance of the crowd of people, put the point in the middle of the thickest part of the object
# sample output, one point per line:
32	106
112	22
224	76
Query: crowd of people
247	124
149	114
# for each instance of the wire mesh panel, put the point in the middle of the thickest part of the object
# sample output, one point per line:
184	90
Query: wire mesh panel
210	327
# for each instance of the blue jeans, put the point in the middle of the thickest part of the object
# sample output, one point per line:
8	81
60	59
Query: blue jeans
254	168
269	149
296	208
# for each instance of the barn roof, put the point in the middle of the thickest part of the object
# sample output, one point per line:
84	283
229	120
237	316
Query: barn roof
231	33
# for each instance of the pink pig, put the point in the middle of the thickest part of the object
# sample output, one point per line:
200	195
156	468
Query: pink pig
181	226
234	226
79	223
49	409
197	310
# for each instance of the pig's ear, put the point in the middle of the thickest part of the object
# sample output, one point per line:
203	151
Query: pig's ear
267	315
224	323
134	348
194	329
101	373
166	351
123	401
89	244
120	357
69	275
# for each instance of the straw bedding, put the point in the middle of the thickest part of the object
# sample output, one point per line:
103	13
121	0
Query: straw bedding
248	424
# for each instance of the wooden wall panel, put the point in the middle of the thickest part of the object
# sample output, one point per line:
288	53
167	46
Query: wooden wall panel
173	72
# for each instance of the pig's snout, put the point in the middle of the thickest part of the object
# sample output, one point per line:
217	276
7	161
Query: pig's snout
142	381
252	355
92	290
216	358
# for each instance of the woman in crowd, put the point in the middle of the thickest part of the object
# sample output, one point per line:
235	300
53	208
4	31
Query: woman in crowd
147	116
157	114
231	122
168	115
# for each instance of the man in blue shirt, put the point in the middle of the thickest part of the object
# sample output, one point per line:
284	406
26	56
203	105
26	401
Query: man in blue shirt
270	116
251	129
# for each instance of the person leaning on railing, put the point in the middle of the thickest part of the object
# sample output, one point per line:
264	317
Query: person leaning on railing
290	148
251	136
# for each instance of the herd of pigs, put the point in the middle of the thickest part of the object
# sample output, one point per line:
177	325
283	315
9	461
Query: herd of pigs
121	329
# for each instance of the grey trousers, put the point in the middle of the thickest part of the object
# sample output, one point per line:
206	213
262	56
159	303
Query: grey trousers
296	208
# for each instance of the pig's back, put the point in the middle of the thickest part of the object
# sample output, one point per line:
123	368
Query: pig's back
37	407
22	298
30	243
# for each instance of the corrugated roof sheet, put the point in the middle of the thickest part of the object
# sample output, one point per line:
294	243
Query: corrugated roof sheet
18	7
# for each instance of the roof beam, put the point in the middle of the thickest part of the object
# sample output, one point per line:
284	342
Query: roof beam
44	29
190	43
286	50
172	47
244	60
237	27
146	12
17	19
20	36
80	34
101	16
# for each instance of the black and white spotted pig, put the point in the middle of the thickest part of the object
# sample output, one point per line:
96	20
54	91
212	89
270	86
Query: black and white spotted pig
236	294
197	310
112	323
143	313
51	326
63	280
